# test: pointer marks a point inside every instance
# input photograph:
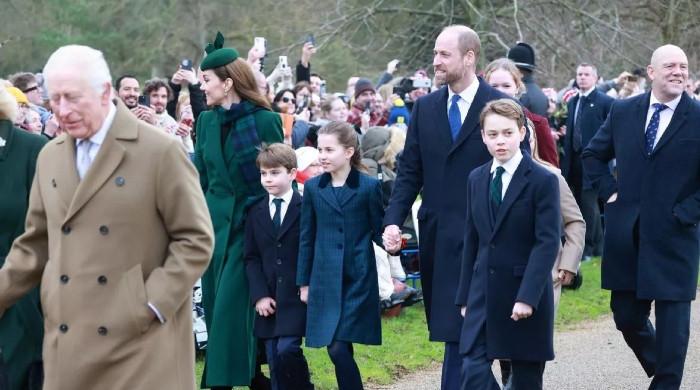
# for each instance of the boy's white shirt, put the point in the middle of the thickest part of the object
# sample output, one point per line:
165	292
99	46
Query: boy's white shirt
287	197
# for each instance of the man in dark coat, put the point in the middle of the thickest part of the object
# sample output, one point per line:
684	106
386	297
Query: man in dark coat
533	99
652	214
442	146
587	112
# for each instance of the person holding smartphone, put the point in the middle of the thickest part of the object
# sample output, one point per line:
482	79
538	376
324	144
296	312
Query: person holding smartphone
363	108
185	81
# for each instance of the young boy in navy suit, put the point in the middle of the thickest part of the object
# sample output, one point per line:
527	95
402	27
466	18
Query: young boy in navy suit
511	242
271	248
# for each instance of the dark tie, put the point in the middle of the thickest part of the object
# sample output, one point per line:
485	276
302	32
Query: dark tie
455	117
497	188
277	218
578	133
653	126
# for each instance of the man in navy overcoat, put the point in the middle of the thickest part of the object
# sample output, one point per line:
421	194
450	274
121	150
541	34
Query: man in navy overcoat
587	112
651	215
442	146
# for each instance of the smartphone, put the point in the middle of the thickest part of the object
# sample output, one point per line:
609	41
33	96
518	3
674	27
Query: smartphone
310	39
260	43
422	83
186	64
283	61
368	106
144	101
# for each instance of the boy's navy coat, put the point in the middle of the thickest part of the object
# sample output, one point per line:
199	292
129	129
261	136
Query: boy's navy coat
509	259
271	266
336	259
437	168
659	195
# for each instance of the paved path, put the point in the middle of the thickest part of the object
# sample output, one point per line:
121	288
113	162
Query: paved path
592	356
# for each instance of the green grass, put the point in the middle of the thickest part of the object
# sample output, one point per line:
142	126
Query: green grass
587	303
405	346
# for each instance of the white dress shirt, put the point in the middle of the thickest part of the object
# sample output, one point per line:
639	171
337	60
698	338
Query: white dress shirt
467	97
286	199
510	166
664	116
97	139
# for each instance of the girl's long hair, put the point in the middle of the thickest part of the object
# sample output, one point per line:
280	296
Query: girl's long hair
347	137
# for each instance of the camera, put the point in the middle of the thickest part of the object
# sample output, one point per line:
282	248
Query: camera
283	61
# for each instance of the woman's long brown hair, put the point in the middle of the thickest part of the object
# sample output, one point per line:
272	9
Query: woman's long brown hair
243	81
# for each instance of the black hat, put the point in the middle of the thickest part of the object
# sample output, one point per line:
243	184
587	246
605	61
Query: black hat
363	85
523	55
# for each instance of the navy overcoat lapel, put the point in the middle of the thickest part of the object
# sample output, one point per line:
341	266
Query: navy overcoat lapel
677	121
516	186
325	189
442	125
638	125
291	215
262	215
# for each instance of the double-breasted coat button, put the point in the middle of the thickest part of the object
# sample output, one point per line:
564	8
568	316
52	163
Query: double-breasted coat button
63	328
493	246
102	279
53	183
279	261
64	279
279	280
491	271
102	331
119	181
279	244
104	230
65	230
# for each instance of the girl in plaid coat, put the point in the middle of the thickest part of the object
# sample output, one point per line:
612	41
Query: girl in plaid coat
341	215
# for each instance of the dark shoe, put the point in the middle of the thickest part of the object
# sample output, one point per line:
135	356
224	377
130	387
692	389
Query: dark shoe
414	298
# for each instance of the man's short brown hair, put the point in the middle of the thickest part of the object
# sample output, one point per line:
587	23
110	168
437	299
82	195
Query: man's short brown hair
508	108
153	85
276	155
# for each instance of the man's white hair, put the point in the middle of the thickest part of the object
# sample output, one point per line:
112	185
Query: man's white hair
89	62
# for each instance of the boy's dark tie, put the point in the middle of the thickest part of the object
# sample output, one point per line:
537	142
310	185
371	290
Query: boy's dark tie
277	218
497	188
653	126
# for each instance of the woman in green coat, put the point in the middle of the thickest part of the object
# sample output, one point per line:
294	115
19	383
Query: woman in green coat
228	138
21	326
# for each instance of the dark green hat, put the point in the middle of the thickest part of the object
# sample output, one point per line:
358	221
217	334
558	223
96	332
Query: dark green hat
217	54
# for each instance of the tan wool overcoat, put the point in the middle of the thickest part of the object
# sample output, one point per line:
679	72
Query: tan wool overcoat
135	231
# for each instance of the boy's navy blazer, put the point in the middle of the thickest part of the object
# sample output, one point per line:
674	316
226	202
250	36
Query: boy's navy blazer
509	258
437	168
271	266
658	196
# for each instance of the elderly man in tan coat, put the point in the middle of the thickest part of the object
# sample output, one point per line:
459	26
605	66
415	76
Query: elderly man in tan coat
117	233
